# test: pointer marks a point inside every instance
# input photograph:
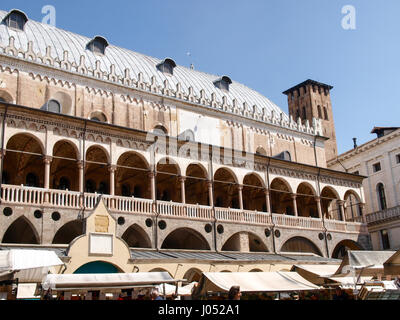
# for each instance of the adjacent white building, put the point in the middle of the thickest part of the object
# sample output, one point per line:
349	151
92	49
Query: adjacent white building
379	160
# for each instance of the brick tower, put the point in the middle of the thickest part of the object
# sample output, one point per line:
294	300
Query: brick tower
311	99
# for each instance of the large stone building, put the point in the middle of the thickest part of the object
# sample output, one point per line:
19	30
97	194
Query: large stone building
194	169
379	160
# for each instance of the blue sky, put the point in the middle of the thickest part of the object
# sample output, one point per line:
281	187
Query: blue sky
268	45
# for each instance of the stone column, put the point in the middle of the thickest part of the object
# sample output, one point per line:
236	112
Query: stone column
152	177
318	201
240	189
266	192
294	196
112	168
182	181
210	193
81	174
47	162
341	209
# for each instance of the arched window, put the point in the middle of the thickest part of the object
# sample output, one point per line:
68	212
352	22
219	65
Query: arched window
319	112
381	196
2	100
325	114
53	106
16	19
285	155
98	116
97	45
160	130
261	151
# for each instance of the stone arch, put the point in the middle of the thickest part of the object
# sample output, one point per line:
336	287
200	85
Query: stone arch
64	166
131	176
21	231
343	246
196	187
281	200
98	116
97	171
185	238
193	275
136	237
98	267
300	244
160	129
24	156
261	151
168	185
68	232
305	200
226	192
256	270
5	96
254	193
329	203
65	101
255	243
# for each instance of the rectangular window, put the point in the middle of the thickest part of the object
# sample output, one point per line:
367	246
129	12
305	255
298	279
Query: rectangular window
385	240
377	167
398	158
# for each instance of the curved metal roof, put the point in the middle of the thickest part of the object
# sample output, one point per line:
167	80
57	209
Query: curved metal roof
43	36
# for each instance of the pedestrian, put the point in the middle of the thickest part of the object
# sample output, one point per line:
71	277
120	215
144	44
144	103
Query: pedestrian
234	293
155	295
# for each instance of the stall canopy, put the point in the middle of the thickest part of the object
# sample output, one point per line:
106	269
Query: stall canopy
392	265
171	289
253	282
369	263
71	282
315	273
350	282
28	265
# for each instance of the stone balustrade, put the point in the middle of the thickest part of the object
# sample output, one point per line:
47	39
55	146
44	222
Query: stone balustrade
297	222
22	195
242	216
390	213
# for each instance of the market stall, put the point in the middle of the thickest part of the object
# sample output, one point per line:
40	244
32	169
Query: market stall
21	270
104	285
253	282
391	267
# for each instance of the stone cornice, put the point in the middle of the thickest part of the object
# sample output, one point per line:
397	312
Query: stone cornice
365	147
